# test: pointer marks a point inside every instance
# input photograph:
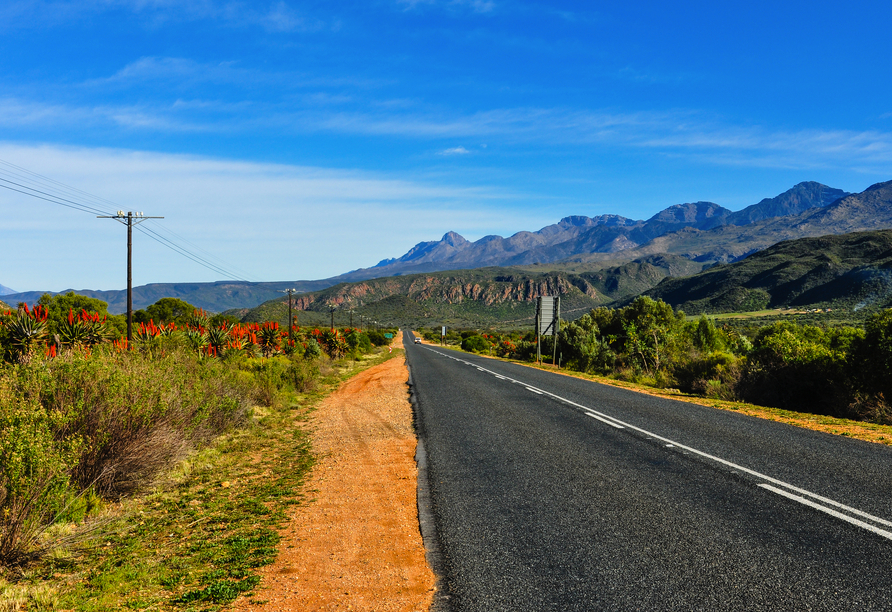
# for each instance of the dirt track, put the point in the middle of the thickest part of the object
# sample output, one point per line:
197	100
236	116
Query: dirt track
357	546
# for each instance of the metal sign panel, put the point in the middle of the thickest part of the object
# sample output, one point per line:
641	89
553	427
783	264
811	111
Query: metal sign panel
548	311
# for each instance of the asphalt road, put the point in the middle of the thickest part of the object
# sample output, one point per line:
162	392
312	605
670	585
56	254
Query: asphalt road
554	493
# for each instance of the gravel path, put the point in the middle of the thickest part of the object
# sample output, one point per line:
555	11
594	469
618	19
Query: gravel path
357	545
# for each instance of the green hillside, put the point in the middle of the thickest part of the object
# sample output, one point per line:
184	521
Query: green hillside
850	271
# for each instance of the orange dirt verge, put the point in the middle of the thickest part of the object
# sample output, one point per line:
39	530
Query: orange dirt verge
357	545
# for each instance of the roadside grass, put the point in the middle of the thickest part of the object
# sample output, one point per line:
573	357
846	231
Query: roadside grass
754	314
195	541
869	432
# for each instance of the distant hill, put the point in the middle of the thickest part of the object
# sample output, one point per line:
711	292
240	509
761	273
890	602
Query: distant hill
213	297
476	297
632	278
845	271
482	296
4	290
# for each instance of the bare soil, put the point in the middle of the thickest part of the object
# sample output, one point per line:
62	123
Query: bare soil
357	545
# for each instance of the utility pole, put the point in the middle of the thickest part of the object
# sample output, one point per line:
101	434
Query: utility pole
129	219
290	319
332	308
351	319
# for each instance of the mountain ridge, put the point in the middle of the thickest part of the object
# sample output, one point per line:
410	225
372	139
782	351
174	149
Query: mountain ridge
578	235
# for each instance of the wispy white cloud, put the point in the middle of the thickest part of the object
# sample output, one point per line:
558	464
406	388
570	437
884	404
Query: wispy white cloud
476	6
676	132
178	72
455	151
630	73
277	16
278	221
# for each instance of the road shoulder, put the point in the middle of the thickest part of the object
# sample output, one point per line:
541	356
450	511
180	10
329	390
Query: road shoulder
357	543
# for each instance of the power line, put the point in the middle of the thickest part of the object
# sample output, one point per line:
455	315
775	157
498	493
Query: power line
176	248
209	257
24	176
51	198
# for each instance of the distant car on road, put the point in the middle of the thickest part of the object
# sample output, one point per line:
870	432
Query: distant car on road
417	340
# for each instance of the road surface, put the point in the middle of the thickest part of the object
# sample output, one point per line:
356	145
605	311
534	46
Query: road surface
554	493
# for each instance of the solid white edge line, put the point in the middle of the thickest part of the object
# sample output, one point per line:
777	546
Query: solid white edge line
613	421
830	511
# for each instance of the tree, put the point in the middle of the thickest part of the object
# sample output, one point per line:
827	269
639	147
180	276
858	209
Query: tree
706	337
650	332
583	348
166	310
872	355
797	367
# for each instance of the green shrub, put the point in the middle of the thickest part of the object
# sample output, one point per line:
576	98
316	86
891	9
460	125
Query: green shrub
476	344
34	484
715	374
134	413
796	367
378	338
313	350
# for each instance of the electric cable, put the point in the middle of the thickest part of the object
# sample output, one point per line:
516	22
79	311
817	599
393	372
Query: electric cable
24	176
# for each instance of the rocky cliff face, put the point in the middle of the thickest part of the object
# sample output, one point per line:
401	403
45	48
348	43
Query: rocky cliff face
451	289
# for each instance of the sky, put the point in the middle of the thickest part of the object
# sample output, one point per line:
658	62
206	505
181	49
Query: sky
288	140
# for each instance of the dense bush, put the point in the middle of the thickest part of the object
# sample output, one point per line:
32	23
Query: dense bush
476	344
798	367
133	413
102	421
845	372
378	337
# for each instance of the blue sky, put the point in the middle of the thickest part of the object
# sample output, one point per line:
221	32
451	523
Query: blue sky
289	140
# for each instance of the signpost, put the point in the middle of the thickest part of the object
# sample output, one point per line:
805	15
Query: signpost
548	323
443	336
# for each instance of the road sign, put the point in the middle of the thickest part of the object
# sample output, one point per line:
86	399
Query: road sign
548	312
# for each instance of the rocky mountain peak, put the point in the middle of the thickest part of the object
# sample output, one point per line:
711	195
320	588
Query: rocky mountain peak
453	239
692	212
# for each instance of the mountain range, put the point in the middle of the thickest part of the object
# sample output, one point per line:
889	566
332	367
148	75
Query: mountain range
607	258
580	238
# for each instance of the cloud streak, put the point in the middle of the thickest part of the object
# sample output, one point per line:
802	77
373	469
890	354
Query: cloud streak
672	132
273	16
455	151
282	221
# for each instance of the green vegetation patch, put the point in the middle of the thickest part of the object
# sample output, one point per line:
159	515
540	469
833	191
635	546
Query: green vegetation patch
196	542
